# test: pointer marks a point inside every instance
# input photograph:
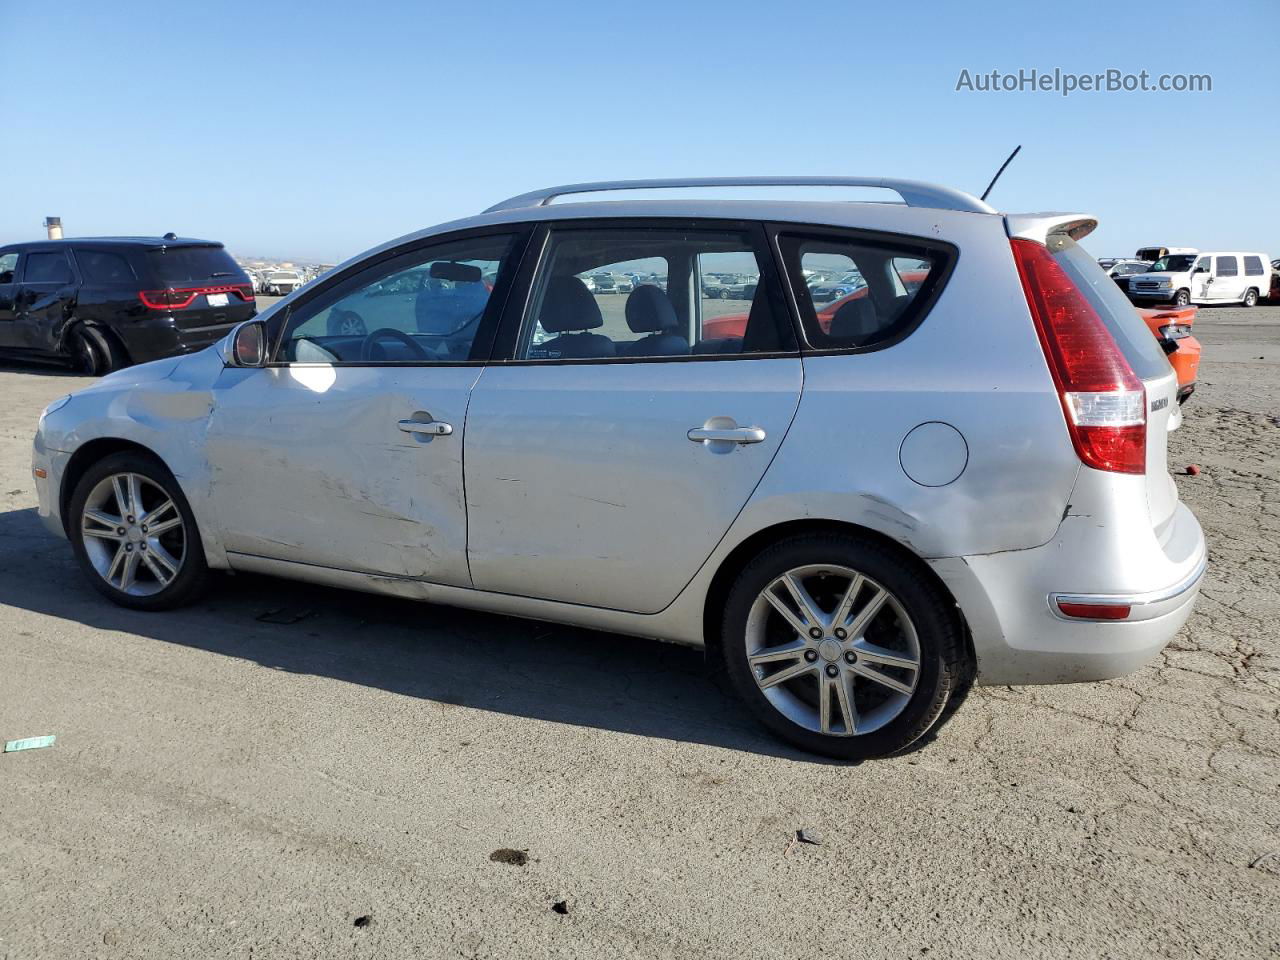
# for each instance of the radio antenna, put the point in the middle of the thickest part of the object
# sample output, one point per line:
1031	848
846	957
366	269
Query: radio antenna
987	191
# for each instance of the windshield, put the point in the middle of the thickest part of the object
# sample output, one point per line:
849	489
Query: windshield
1174	263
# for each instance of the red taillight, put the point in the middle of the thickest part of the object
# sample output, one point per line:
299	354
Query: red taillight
1094	611
1104	401
179	298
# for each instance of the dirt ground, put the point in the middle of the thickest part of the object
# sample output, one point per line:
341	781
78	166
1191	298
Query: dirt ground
358	777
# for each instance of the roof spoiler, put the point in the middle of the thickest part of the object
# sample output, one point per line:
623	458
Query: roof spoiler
1039	226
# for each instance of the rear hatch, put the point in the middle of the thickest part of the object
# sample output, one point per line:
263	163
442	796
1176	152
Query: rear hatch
1140	349
199	284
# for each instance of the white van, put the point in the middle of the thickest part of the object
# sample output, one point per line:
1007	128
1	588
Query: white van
1183	278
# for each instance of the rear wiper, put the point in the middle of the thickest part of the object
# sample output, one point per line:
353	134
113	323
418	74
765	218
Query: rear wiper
224	273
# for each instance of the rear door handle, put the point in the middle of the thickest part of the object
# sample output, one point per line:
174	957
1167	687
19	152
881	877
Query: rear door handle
430	428
724	430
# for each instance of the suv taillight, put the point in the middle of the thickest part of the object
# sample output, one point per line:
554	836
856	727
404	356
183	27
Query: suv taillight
1104	401
181	298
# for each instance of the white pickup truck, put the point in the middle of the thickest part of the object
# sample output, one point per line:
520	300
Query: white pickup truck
1208	278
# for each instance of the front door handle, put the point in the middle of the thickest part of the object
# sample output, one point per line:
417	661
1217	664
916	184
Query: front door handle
430	428
724	430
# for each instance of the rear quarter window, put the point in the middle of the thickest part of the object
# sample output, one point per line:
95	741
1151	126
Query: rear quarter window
1113	307
1253	266
885	287
104	266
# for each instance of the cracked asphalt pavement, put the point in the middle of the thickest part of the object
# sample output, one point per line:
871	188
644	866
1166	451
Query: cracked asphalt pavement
366	777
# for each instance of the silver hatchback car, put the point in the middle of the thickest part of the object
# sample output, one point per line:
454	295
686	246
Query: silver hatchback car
954	472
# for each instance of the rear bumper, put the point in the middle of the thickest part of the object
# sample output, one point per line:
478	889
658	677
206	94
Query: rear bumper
1010	599
158	337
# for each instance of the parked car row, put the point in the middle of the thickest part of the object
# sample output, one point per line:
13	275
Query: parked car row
1184	275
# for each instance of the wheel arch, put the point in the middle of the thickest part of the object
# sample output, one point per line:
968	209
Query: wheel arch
85	457
114	341
737	558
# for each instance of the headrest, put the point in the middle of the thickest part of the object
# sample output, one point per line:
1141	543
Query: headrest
650	311
856	319
569	305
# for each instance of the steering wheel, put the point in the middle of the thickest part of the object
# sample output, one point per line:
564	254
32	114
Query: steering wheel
388	333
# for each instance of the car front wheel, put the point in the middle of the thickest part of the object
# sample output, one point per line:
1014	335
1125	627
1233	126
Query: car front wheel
134	535
1182	298
840	646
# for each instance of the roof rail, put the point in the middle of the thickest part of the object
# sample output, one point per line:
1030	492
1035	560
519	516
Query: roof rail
913	192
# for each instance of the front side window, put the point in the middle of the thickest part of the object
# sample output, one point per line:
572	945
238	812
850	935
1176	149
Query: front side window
47	268
1227	267
882	292
422	307
8	264
1253	266
651	292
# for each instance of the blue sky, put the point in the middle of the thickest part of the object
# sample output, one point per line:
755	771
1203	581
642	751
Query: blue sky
319	129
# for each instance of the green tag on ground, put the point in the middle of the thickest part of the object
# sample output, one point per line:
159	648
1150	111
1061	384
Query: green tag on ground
30	743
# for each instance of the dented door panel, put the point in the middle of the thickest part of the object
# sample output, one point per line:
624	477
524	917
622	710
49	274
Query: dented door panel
309	463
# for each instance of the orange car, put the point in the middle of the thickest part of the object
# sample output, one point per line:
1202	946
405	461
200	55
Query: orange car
735	325
1171	326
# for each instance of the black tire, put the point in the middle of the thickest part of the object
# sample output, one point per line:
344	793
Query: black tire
1182	297
192	577
1250	298
352	321
92	352
946	667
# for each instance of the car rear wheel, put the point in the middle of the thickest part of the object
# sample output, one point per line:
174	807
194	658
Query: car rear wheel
1182	298
134	535
1250	299
840	646
92	353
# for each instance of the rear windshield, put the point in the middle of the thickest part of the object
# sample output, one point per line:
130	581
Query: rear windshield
175	266
1121	319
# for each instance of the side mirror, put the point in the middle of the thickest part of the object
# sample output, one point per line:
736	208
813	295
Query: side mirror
249	344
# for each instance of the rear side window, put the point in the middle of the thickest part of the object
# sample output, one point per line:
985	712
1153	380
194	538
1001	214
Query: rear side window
47	268
1227	267
1113	307
181	266
1253	266
8	263
103	266
863	292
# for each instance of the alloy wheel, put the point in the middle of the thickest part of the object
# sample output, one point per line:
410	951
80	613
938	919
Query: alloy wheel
833	650
133	534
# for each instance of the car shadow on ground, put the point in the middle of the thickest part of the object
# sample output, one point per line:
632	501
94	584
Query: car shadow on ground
441	654
39	368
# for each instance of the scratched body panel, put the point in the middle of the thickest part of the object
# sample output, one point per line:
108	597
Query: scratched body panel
308	464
